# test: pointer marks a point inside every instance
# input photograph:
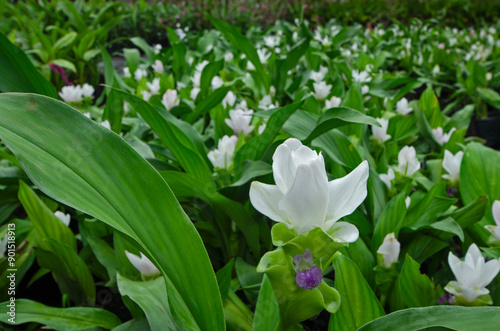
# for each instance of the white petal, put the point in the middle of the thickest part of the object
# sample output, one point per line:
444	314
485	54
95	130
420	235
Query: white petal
343	232
347	193
265	198
306	201
488	272
283	168
496	212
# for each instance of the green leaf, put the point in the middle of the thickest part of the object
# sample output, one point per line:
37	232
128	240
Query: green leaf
142	44
429	104
390	220
89	168
214	99
267	310
490	96
70	319
359	304
151	296
90	54
461	118
19	74
65	40
451	317
337	117
65	64
252	169
224	279
208	73
416	288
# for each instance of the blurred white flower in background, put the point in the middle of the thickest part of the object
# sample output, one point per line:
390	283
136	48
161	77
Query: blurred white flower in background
272	41
216	82
154	86
387	178
170	99
143	264
228	57
380	133
158	67
319	75
451	163
333	102
361	77
303	198
261	128
321	90
365	89
140	73
240	120
65	218
229	99
402	107
87	91
71	93
106	124
408	162
222	157
441	137
389	251
495	229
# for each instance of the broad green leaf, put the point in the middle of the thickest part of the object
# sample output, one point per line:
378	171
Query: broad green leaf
214	99
65	64
142	44
490	96
208	73
359	304
70	319
89	168
151	296
267	310
19	74
471	213
390	220
460	119
450	317
65	40
251	169
416	288
224	279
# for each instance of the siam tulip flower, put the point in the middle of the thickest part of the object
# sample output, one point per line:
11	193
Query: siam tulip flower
126	72
389	251
240	120
196	78
228	57
333	102
408	162
87	115
87	91
194	93
263	54
229	99
402	107
154	87
361	77
272	41
158	67
106	124
170	99
261	128
436	70
308	276
157	49
495	229
473	275
181	34
143	264
146	95
321	90
451	163
441	137
441	45
387	178
272	91
71	93
139	73
304	199
222	157
365	89
242	105
216	82
319	75
407	202
180	85
380	133
65	218
267	103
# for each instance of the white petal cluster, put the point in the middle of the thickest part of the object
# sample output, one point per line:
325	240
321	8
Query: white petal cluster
158	67
76	93
143	264
408	162
222	157
170	99
451	163
495	229
387	178
333	102
402	107
303	198
321	90
380	133
319	75
361	77
239	120
229	99
389	250
441	137
65	218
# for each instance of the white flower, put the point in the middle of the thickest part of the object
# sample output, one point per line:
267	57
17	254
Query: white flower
303	198
229	99
65	218
143	264
216	82
451	163
228	57
87	91
361	77
387	178
261	128
272	41
441	137
221	157
181	34
407	202
272	91
473	274
87	115
380	133
200	66
333	102
263	54
408	162
267	103
157	49
170	99
194	93
389	250
436	70
71	93
139	73
126	72
106	124
319	75
196	78
321	90
154	87
402	107
365	89
158	67
240	120
242	105
495	229
146	95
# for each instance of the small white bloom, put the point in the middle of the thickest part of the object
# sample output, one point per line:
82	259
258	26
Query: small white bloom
261	128
333	102
158	67
216	82
106	124
126	72
87	91
228	57
196	78
139	73
65	218
489	75
143	264
190	61
221	157
389	250
361	77
200	66
71	93
451	163
272	41
180	85
170	99
303	198
264	55
436	70
154	87
441	45
240	120
495	229
380	133
407	202
319	75
194	93
402	107
87	115
408	162
158	48
272	91
321	90
180	34
473	275
365	89
441	137
387	178
242	105
229	99
146	95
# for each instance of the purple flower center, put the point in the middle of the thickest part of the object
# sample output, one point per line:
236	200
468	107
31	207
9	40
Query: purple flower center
451	191
308	275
